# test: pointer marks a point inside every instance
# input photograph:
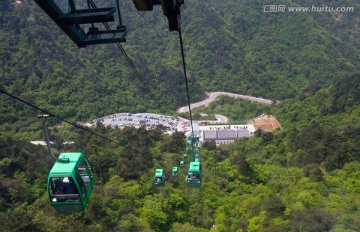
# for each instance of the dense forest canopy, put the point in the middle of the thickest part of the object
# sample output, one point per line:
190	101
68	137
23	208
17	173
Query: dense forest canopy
304	177
230	46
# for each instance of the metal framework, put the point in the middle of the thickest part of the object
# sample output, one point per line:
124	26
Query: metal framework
170	8
72	20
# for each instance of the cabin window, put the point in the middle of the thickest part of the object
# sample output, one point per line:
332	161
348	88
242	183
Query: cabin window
84	173
88	165
63	189
192	177
81	185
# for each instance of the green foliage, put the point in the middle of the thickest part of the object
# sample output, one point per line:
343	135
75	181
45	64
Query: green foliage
303	178
238	110
245	188
229	46
332	107
209	145
311	220
176	143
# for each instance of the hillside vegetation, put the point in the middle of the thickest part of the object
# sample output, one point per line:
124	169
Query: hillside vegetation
229	46
304	177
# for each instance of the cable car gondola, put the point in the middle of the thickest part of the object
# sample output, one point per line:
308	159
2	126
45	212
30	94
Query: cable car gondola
159	178
193	177
70	182
175	171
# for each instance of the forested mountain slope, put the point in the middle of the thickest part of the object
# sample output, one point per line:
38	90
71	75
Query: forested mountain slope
229	45
274	55
42	65
302	178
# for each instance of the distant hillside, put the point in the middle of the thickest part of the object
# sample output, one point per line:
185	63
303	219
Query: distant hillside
229	46
337	106
304	177
275	55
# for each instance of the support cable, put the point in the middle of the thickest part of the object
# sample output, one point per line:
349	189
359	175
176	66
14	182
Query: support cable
187	86
55	116
139	76
46	135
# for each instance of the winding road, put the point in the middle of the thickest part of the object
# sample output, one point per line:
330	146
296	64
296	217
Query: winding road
214	95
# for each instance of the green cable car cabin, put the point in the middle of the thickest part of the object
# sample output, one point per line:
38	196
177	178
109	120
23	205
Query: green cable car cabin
175	171
159	178
193	177
70	182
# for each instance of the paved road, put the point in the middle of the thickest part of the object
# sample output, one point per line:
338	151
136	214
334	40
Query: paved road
213	95
221	118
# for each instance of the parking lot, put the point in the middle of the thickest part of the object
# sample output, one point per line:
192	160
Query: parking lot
136	120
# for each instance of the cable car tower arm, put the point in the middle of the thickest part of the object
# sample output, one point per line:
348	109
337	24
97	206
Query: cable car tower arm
44	117
71	21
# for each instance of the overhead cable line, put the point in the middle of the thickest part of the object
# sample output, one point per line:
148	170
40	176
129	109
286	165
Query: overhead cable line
55	116
186	82
140	77
143	82
136	71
